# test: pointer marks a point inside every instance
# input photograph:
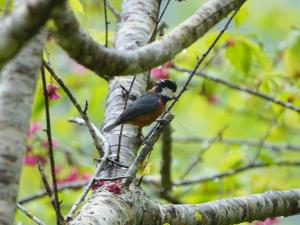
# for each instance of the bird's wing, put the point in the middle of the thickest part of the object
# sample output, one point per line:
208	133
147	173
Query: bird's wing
147	103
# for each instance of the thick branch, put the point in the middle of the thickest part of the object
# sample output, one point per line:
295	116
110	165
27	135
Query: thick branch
17	85
22	25
134	207
117	62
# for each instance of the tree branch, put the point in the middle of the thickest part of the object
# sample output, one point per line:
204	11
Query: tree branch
243	89
92	129
232	172
50	148
166	151
34	219
119	62
274	146
42	193
25	21
106	208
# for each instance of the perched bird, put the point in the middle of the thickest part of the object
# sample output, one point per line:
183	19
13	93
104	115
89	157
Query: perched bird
145	109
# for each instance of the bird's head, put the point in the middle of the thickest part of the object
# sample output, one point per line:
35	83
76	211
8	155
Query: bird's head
166	89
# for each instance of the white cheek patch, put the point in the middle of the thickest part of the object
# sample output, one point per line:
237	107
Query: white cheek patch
167	92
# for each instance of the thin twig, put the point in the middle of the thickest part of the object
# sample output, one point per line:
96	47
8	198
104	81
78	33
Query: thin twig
32	217
92	130
106	23
243	89
202	150
110	178
146	149
229	141
50	148
113	10
101	161
42	193
267	134
235	171
48	190
166	152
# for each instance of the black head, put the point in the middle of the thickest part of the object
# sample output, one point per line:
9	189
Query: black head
166	88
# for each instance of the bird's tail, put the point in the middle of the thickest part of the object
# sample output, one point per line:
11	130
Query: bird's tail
111	126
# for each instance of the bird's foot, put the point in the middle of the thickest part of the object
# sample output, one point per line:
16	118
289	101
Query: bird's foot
162	121
126	94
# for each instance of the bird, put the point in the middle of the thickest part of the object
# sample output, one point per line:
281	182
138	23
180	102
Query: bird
146	108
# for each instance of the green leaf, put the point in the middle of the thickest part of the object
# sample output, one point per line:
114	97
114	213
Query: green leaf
198	216
240	16
77	6
292	55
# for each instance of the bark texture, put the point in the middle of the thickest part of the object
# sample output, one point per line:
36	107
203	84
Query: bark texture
104	61
134	30
21	25
135	208
17	85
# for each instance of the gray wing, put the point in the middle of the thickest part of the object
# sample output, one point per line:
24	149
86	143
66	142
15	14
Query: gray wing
147	103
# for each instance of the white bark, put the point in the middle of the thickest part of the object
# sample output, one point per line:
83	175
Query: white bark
135	208
24	22
17	85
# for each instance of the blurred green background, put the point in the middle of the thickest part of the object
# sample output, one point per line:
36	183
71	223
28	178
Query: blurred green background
260	51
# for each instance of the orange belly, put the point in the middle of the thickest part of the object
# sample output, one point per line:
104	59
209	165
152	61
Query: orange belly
147	119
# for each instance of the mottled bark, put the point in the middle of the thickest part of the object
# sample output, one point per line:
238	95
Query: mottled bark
135	208
104	61
17	86
134	30
24	22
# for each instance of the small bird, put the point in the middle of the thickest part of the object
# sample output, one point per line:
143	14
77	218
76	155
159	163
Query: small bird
145	109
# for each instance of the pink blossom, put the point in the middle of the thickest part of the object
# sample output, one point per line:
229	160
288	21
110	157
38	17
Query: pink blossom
114	187
269	221
73	176
86	176
35	126
161	72
45	144
97	184
31	160
52	92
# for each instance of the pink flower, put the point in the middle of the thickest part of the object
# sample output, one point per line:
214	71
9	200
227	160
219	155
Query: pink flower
269	221
31	160
114	187
161	72
52	92
86	176
97	184
45	144
35	126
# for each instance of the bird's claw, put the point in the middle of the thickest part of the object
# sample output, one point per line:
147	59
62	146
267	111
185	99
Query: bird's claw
162	121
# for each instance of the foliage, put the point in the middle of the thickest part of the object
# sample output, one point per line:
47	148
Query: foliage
258	52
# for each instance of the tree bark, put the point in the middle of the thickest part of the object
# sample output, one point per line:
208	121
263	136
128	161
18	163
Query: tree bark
24	22
105	62
17	86
135	208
